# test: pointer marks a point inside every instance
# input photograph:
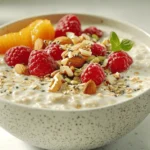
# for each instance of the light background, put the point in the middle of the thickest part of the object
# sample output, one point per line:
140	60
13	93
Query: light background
133	11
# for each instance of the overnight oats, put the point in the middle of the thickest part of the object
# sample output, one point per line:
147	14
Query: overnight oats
71	68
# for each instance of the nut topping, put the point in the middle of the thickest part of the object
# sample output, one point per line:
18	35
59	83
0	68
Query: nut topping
66	70
90	87
56	83
21	69
76	61
39	44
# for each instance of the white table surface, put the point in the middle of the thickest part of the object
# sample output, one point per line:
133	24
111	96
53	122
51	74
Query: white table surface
134	11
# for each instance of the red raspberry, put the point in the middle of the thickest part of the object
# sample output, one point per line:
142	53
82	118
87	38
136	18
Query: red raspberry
98	50
17	55
68	23
119	61
93	72
93	30
40	64
54	50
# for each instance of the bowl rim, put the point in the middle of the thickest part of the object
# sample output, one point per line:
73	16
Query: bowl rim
85	109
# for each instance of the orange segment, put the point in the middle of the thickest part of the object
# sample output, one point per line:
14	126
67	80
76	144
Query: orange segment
8	40
25	37
37	29
26	34
44	30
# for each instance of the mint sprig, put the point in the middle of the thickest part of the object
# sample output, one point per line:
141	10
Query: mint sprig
126	44
116	45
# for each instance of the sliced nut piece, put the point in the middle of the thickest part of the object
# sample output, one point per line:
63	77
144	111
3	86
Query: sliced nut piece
74	53
39	44
86	44
64	54
76	61
70	54
70	35
77	39
72	68
66	70
85	36
111	79
117	75
64	61
21	69
106	42
77	46
56	83
63	40
85	52
105	63
54	73
90	87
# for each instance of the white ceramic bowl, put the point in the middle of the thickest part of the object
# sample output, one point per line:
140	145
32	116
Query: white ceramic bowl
71	129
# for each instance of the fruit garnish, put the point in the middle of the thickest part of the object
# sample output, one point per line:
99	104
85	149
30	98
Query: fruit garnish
17	55
98	50
93	31
44	30
117	45
73	61
27	36
93	72
54	50
68	23
41	64
119	61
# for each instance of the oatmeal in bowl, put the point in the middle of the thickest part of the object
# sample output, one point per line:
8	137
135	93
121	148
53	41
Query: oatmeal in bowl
75	69
84	77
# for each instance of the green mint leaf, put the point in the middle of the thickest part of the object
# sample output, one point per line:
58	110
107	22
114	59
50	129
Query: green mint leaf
126	44
115	42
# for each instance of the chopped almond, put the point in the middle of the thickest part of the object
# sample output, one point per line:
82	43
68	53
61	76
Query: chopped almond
66	70
90	87
21	69
39	44
85	52
76	61
54	73
56	83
